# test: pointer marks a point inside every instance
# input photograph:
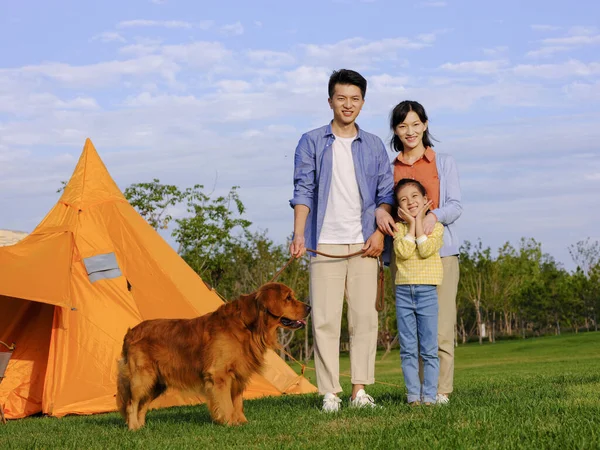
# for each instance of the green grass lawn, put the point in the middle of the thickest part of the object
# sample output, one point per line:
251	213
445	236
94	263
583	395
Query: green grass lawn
533	394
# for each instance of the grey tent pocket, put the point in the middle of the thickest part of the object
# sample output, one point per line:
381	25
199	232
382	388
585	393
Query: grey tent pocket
102	267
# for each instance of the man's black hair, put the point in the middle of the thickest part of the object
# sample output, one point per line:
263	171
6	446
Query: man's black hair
347	76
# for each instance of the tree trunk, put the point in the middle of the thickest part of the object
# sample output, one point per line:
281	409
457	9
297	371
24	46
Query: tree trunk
508	322
493	333
463	331
456	336
388	343
281	349
285	339
479	327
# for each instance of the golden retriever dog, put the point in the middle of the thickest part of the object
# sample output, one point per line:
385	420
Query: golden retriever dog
214	355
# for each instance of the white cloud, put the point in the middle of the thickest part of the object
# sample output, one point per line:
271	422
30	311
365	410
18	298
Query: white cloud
583	91
197	54
546	52
108	36
582	29
572	68
233	29
485	67
151	60
270	58
97	74
38	104
576	37
387	83
544	28
233	85
138	50
305	79
593	176
154	23
495	51
573	41
361	53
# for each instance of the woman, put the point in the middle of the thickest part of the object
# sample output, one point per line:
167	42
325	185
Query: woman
438	174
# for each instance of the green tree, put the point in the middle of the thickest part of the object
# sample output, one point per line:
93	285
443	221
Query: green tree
476	264
511	269
208	236
586	254
594	293
152	200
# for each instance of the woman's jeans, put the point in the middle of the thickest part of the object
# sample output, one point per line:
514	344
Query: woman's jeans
417	316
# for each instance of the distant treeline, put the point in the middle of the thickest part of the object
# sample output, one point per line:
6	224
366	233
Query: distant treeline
517	293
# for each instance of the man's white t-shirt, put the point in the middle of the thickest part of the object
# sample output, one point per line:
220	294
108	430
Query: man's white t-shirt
342	222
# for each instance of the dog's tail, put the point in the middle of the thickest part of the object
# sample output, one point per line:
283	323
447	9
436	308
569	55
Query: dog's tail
123	380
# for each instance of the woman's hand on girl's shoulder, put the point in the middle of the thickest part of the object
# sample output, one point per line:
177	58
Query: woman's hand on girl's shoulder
429	223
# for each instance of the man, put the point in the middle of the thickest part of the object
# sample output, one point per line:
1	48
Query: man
341	175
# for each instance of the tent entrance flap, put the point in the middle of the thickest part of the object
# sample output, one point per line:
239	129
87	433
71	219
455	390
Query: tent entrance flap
28	324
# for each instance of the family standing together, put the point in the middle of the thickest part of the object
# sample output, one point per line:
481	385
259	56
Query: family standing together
349	197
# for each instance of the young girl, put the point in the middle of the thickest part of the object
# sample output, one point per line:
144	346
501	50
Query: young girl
419	272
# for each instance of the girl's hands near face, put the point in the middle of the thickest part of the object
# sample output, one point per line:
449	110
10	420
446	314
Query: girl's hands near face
404	215
423	210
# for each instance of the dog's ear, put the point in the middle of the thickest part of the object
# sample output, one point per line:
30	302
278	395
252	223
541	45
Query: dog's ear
249	308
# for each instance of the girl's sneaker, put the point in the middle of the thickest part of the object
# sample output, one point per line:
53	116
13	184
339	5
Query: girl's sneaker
442	399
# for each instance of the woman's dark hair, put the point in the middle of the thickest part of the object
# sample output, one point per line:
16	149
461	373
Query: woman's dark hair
347	76
406	182
398	115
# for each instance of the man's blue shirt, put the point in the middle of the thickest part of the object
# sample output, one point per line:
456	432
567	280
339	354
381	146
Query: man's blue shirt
313	168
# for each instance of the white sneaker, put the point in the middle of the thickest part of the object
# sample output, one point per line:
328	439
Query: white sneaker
362	400
441	399
331	403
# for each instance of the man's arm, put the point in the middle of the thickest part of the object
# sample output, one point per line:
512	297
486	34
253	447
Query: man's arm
385	194
304	174
304	185
297	247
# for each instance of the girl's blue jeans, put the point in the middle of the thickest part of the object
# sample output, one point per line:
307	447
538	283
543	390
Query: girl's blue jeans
417	316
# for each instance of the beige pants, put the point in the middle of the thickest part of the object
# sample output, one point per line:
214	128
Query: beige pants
446	321
331	280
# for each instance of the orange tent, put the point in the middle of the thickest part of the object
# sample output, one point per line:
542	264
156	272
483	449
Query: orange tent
68	292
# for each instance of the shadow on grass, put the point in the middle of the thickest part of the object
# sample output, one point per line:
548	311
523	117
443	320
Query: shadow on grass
199	414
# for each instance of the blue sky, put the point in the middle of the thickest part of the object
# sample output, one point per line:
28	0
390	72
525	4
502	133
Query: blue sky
218	93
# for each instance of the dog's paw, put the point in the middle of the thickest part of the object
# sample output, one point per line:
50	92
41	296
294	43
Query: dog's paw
240	420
